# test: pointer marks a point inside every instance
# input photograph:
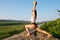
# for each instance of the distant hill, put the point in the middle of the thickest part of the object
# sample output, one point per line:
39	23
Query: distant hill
13	22
19	21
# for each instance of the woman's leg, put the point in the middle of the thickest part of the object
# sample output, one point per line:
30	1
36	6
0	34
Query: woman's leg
27	30
27	27
49	35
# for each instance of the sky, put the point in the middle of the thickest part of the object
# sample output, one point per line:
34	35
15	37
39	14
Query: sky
22	9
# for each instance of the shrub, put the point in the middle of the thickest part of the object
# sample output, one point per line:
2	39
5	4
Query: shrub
53	27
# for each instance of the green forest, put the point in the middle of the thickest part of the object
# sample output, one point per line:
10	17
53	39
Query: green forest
53	27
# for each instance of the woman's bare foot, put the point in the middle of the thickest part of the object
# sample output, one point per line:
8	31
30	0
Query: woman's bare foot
49	36
27	34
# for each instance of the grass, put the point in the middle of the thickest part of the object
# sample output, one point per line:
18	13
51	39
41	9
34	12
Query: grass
9	30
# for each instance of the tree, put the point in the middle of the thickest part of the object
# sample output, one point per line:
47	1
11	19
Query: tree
59	15
59	12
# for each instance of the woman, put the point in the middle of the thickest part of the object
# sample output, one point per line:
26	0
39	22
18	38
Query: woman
33	24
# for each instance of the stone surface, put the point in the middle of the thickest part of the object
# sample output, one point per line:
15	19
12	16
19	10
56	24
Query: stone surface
34	36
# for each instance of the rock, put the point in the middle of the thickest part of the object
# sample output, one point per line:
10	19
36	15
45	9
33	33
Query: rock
34	36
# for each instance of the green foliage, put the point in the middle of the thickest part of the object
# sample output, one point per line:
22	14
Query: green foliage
53	27
58	10
9	30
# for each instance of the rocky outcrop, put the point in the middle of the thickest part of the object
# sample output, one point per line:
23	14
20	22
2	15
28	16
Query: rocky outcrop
34	36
